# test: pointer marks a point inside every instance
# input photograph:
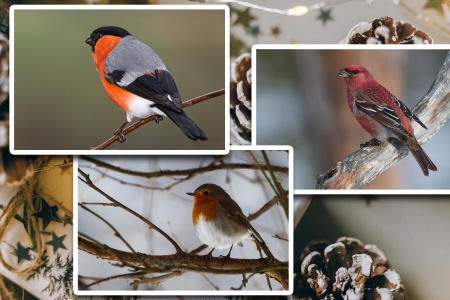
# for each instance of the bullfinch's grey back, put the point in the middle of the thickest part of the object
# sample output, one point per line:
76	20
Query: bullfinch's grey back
133	57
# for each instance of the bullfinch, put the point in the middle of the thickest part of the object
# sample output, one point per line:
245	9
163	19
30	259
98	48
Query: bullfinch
137	80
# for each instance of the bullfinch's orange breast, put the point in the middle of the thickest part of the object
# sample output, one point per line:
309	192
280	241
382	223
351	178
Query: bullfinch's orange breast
102	48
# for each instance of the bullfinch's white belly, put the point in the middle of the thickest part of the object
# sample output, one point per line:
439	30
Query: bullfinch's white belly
141	108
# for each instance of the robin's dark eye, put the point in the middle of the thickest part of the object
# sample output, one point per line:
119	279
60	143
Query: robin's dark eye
205	193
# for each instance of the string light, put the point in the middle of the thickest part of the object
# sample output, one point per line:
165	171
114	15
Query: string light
301	10
298	10
295	11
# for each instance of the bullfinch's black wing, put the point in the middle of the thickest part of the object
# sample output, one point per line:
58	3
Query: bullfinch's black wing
158	87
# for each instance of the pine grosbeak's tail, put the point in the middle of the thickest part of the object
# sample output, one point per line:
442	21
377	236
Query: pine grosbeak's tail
381	114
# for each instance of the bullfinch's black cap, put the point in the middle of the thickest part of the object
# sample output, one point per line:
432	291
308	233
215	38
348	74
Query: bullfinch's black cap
105	30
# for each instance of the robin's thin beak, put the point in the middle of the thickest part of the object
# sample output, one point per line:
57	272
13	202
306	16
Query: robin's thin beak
191	194
344	73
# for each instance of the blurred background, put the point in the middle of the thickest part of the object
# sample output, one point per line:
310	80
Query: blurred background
327	25
171	209
303	102
411	231
60	103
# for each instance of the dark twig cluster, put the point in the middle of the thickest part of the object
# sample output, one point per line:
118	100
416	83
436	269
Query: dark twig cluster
165	267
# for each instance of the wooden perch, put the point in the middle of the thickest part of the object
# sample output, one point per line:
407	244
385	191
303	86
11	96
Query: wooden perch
365	164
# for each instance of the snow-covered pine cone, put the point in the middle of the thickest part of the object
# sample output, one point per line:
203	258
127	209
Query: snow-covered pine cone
386	31
4	17
4	68
4	91
346	270
241	100
14	170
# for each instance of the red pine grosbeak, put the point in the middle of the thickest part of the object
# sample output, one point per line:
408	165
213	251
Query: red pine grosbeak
381	114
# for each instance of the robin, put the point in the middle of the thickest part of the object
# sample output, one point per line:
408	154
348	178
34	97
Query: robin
218	219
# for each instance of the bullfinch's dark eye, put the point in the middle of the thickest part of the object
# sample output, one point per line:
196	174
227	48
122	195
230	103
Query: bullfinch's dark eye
205	193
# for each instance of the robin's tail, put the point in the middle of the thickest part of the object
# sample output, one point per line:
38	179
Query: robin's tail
421	157
185	123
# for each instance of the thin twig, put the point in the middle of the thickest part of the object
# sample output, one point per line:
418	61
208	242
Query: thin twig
187	172
127	276
141	122
264	208
278	188
89	183
116	232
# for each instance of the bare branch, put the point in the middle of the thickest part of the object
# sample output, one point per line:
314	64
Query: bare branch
188	262
141	122
187	172
89	183
265	207
365	164
164	267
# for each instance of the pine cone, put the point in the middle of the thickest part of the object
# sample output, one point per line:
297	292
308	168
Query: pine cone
4	17
241	101
4	68
14	170
386	31
4	91
346	270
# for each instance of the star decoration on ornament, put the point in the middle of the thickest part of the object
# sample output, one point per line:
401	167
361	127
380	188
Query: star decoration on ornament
67	220
22	253
47	213
254	31
56	242
325	15
243	17
66	168
435	4
237	46
275	31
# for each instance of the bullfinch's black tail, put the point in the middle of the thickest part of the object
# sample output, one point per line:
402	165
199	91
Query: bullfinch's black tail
190	129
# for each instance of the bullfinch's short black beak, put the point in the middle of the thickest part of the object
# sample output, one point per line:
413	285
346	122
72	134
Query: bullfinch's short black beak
89	41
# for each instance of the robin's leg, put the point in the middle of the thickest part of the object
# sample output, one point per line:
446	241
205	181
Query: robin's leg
210	252
225	258
229	252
